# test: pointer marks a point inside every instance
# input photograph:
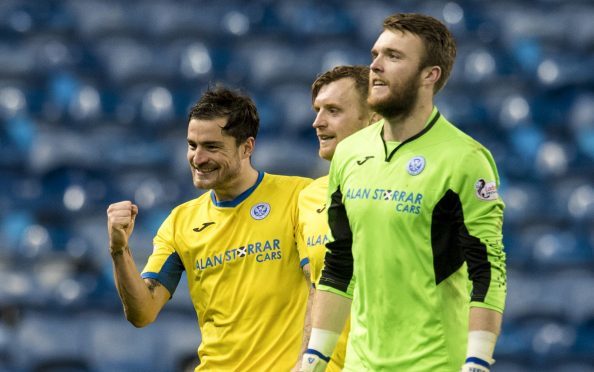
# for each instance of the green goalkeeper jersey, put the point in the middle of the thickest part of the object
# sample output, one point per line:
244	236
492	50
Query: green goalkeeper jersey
411	223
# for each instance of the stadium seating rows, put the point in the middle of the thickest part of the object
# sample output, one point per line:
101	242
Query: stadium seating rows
93	102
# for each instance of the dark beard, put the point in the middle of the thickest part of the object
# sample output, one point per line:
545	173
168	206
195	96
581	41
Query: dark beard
399	103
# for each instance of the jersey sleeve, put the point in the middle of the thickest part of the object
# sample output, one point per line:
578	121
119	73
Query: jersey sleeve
300	184
164	264
337	274
299	238
482	209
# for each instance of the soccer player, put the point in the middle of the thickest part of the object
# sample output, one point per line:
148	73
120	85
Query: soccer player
236	244
414	212
339	97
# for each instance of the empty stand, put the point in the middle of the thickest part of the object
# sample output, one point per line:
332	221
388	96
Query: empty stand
94	98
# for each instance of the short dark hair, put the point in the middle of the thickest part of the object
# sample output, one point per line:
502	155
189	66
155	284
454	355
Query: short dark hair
360	74
440	46
239	109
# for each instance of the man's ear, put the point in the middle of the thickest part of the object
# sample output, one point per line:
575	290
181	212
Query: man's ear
248	147
430	75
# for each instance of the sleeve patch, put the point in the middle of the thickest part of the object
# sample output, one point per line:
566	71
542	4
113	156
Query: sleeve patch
486	190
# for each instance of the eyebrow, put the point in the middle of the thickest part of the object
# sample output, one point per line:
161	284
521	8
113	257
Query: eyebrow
329	103
386	50
206	143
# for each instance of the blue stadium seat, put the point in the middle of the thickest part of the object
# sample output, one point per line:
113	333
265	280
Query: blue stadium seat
551	109
581	35
581	120
140	152
276	62
511	365
271	114
55	51
202	20
526	141
558	69
196	60
93	102
94	18
561	247
331	52
468	113
541	295
478	64
314	19
116	345
369	17
525	202
546	246
295	102
74	189
49	338
178	337
149	104
541	340
574	197
18	288
14	100
150	190
15	62
6	350
584	345
573	365
580	306
286	157
127	59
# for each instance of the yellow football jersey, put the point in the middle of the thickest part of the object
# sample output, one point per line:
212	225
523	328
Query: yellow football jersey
244	274
313	236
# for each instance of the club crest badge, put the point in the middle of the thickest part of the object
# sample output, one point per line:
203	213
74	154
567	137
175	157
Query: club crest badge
416	165
260	211
486	190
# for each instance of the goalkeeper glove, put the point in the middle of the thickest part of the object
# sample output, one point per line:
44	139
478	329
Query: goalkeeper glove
314	361
476	365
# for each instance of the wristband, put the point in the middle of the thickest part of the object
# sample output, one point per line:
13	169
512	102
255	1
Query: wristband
481	345
480	362
323	341
318	354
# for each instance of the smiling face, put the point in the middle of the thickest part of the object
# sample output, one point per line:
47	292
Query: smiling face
395	75
340	112
215	158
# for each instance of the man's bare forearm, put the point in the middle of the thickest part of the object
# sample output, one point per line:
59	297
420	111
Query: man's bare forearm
307	321
330	311
482	319
141	306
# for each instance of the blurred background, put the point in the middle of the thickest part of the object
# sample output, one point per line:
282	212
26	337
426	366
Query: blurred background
93	102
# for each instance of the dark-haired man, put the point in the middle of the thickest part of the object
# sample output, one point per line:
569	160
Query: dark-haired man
236	244
414	212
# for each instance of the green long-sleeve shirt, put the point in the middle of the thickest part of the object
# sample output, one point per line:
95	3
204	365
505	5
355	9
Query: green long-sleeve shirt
411	222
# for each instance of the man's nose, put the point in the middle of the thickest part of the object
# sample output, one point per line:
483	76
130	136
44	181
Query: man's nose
375	64
319	121
200	156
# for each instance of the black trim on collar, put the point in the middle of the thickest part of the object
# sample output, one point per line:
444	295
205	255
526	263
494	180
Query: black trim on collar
425	130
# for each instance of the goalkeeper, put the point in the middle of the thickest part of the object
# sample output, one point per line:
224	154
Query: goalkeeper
414	211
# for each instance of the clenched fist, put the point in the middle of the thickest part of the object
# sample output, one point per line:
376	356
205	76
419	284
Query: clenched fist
120	223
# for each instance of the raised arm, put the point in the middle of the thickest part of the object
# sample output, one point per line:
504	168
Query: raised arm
143	299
